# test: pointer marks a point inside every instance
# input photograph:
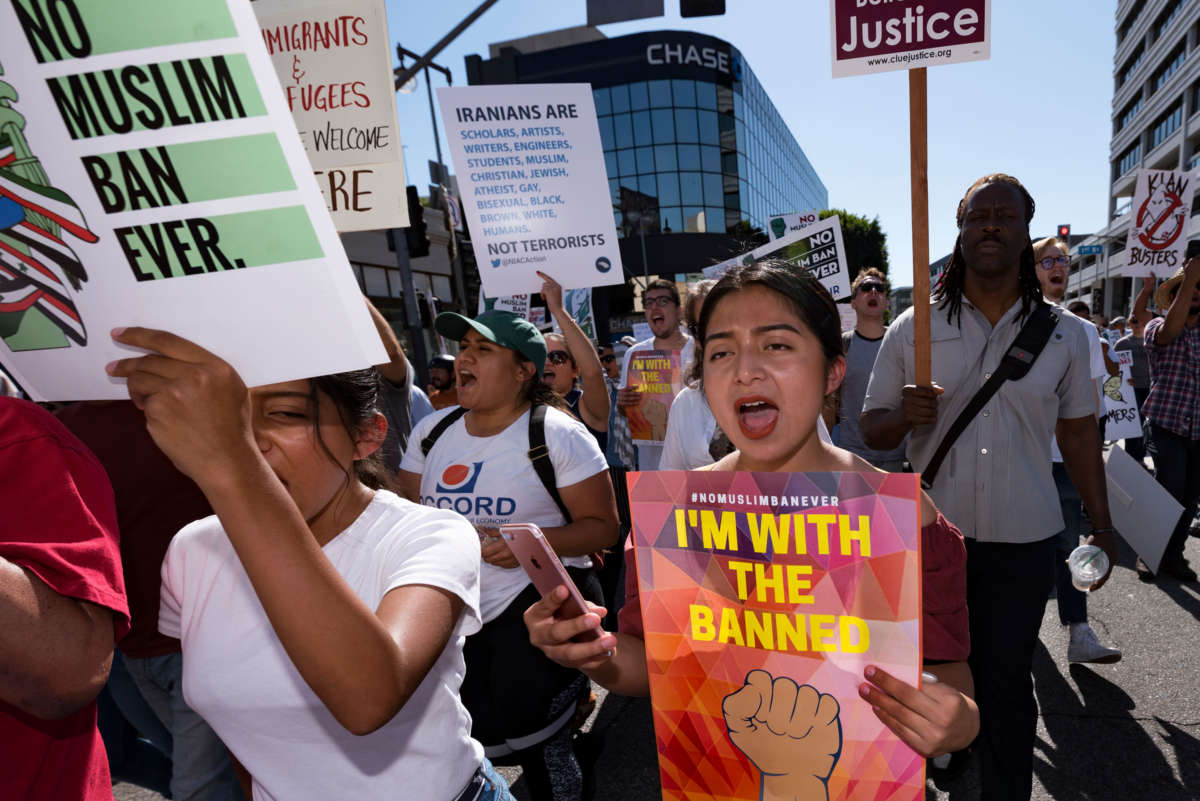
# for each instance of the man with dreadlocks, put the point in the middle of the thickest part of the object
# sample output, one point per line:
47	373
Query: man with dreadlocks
996	485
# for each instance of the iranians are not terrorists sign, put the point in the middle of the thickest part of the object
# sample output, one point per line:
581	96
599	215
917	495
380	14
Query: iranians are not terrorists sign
534	187
151	174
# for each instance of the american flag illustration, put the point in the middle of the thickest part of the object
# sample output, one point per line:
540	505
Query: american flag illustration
38	269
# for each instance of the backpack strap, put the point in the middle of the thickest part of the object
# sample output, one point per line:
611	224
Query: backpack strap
439	429
847	338
1015	365
539	455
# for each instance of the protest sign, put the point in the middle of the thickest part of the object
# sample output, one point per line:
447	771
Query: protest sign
817	248
533	184
537	316
517	304
803	578
642	332
578	303
1162	205
658	375
1141	509
869	37
151	175
849	317
781	225
335	64
1122	420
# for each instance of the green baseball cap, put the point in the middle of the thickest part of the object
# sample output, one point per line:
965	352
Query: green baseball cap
504	328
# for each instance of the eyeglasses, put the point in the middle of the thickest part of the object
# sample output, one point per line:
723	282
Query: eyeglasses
1054	261
607	358
872	286
558	357
658	300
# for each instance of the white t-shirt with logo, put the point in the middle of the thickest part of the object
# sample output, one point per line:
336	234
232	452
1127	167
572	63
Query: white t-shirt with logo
237	675
491	481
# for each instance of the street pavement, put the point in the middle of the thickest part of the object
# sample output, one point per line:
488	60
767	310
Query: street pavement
1105	732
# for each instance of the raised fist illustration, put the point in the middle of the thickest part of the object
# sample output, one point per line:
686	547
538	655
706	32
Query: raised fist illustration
790	732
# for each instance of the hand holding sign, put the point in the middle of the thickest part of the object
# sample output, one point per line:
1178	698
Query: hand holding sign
197	407
790	732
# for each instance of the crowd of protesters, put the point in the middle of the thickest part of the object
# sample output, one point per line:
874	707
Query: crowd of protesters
311	596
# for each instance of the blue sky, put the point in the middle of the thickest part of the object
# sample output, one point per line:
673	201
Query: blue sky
1039	109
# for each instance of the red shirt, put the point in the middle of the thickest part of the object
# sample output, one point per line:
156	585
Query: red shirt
944	633
59	522
154	501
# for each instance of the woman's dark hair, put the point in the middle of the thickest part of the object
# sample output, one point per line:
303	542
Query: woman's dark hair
949	290
537	393
810	301
355	395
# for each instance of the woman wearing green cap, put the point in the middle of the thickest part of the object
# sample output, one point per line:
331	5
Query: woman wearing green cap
476	461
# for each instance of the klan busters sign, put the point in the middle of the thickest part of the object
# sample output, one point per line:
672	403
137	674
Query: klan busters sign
1162	205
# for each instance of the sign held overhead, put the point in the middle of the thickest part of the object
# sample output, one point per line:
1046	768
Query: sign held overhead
871	36
533	184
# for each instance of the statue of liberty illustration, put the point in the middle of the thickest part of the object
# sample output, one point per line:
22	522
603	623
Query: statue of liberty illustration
39	270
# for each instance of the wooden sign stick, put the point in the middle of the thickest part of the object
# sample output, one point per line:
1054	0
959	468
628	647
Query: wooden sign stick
919	176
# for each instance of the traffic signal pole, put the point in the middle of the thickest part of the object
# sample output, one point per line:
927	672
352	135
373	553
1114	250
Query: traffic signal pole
412	315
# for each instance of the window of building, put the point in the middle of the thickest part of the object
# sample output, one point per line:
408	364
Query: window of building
623	129
639	96
1173	62
1130	20
620	98
684	91
1129	113
1128	160
603	99
645	159
664	157
1131	64
1166	125
686	127
1166	18
660	94
641	129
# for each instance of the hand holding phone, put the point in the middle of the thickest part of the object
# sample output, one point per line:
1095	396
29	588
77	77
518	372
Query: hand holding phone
528	544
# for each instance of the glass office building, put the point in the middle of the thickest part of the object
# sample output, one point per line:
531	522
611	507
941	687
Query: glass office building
692	142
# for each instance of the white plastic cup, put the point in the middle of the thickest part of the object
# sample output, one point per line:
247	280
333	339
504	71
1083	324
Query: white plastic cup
1088	564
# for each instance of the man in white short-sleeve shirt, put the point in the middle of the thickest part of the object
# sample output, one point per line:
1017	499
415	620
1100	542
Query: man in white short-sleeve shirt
663	313
1001	462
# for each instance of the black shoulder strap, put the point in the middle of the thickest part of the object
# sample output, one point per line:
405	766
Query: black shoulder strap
847	338
440	428
539	455
1030	341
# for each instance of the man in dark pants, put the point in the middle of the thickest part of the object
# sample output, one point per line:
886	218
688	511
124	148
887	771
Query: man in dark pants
996	482
1173	407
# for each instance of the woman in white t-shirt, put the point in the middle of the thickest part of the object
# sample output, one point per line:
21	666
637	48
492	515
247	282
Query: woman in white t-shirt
477	462
322	618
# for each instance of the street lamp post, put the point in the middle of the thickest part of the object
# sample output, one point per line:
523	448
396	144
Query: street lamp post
460	284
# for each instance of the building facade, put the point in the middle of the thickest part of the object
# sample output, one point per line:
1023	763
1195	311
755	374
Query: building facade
692	142
1156	125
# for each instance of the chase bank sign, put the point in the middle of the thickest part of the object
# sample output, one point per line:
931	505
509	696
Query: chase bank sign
662	53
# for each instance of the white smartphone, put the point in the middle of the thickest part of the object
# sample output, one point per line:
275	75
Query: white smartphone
528	544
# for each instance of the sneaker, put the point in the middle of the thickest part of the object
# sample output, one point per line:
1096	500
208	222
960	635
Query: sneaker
1178	568
1085	647
1143	570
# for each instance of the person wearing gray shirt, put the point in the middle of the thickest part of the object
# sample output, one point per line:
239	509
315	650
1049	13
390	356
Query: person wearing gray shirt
868	298
996	484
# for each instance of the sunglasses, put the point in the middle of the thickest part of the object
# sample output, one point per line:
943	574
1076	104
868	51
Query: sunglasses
607	358
872	286
1054	261
558	357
